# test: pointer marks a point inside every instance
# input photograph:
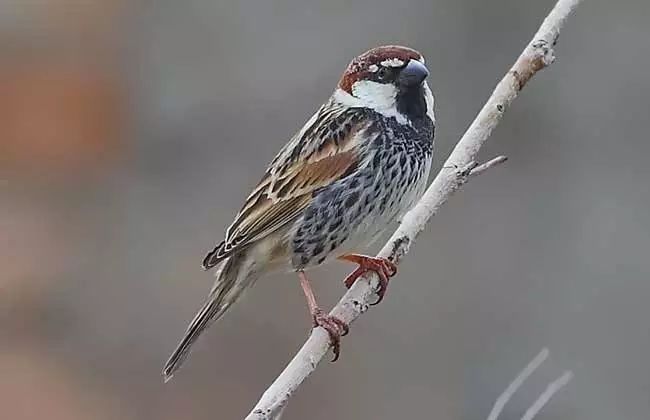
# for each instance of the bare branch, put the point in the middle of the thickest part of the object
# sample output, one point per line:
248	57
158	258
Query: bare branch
551	390
537	55
503	399
542	400
479	169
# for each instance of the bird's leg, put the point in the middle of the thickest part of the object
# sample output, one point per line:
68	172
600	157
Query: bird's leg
382	266
334	326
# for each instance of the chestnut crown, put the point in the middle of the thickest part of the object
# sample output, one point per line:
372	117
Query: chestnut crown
385	64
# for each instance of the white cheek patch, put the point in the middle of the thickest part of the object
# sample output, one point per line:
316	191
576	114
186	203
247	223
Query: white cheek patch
392	62
379	97
373	68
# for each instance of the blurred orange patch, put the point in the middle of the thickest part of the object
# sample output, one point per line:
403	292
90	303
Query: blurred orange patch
61	118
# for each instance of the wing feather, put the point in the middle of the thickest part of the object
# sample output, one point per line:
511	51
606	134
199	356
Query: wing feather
323	152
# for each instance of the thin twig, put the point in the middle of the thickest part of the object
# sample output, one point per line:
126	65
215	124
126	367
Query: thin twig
479	169
503	399
551	390
537	55
544	397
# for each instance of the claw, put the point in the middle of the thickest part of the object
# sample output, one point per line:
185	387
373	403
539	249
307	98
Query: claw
382	266
335	327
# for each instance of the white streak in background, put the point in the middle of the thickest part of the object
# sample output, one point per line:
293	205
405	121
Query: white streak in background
548	393
516	384
542	400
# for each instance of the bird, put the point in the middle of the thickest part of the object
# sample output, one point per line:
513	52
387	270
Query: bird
355	167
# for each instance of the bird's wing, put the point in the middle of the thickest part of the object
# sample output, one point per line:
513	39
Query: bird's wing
323	152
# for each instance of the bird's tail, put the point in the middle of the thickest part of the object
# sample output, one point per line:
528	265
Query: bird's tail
233	278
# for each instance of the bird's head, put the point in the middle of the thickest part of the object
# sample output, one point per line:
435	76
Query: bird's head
390	80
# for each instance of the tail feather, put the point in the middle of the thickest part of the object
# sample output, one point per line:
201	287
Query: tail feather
232	280
201	321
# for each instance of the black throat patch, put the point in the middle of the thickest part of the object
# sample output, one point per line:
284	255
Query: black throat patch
411	103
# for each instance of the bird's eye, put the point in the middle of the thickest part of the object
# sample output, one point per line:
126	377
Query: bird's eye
383	74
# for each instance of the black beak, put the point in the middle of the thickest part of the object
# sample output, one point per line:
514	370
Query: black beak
413	74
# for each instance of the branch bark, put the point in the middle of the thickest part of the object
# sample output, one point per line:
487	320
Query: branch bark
457	170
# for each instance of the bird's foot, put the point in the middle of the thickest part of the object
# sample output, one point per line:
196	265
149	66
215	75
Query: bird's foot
335	327
384	268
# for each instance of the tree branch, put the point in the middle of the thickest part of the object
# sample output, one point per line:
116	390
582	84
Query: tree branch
542	400
507	394
546	396
537	55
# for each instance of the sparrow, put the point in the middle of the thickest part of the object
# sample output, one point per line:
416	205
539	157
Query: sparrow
356	166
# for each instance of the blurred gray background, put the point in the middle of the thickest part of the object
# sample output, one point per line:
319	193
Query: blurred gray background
131	131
